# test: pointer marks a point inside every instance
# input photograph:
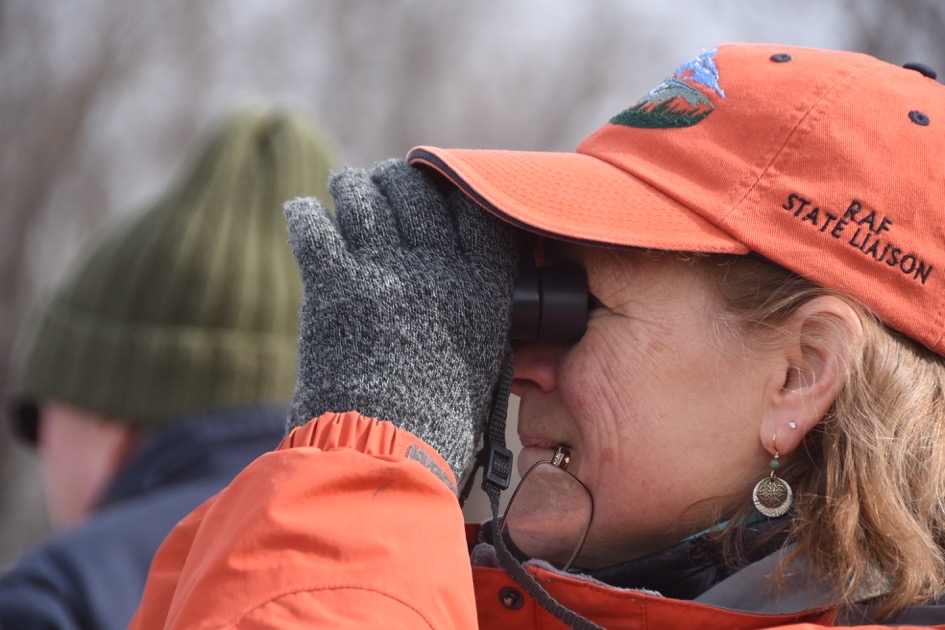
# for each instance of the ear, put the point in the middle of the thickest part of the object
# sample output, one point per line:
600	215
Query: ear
120	441
819	339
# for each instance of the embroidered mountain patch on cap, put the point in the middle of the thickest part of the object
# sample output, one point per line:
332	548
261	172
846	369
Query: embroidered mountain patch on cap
679	101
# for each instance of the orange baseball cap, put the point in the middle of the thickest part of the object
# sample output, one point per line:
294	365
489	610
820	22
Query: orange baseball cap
829	163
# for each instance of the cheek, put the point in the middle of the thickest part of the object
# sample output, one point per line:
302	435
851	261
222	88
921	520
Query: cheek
73	470
62	479
597	386
638	402
613	376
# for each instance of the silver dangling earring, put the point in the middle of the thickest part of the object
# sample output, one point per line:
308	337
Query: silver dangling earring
772	495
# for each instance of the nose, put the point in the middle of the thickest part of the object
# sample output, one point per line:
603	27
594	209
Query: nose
536	366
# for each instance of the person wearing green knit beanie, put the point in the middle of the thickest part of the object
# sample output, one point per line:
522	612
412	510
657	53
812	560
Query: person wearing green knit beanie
160	365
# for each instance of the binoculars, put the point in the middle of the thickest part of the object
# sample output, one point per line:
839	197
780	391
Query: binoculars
549	303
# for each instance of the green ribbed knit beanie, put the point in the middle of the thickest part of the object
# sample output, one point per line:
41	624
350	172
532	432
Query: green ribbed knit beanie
192	304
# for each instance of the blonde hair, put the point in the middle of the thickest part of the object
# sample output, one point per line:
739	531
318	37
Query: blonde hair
869	480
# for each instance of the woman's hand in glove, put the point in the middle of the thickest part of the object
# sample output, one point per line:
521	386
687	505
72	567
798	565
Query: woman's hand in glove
406	308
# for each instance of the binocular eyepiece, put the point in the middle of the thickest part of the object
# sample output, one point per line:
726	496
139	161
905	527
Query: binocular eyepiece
549	303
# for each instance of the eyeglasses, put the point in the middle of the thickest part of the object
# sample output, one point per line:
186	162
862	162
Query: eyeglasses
550	512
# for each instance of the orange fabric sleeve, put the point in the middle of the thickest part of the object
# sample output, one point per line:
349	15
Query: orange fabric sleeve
811	626
322	532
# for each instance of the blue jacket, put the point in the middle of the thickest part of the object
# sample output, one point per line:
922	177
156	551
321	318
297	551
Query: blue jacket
92	576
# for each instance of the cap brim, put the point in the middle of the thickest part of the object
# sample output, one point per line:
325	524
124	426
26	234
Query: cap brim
576	197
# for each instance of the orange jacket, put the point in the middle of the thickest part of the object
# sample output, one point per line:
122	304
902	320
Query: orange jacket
339	528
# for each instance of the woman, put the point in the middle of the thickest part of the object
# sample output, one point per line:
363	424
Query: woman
748	434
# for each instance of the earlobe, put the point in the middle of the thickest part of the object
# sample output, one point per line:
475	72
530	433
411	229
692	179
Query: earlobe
821	337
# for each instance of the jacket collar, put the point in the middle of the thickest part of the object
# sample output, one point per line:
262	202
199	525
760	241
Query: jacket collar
193	447
689	568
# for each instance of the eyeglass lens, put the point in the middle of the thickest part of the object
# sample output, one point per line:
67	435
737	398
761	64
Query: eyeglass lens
550	513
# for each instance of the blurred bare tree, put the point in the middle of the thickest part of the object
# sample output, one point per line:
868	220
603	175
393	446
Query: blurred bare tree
60	65
100	100
899	32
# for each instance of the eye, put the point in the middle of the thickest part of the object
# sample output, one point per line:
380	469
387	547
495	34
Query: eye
593	303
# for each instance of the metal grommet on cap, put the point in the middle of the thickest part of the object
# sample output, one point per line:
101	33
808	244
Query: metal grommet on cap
921	68
511	598
781	58
919	118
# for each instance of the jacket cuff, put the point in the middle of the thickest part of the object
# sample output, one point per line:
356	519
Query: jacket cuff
370	436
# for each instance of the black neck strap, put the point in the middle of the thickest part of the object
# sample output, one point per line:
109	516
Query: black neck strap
496	476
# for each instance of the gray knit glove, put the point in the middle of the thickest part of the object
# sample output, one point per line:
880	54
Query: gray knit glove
406	308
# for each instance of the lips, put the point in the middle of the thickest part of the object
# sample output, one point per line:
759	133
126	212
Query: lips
541	428
530	441
539	431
